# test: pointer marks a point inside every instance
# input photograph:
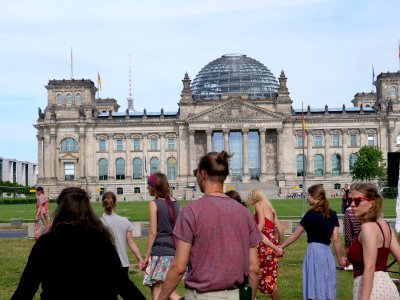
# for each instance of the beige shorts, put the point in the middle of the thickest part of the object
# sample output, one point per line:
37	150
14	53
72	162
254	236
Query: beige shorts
215	295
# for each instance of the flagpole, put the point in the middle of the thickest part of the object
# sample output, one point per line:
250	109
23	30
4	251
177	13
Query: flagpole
304	160
145	174
72	66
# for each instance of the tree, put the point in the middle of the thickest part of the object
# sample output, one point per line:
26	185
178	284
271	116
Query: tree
369	165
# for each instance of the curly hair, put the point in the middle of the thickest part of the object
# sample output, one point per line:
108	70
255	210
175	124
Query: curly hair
317	191
159	183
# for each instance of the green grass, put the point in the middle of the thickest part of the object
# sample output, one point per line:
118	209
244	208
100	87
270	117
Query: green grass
138	210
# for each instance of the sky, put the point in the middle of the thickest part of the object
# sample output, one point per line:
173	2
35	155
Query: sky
326	48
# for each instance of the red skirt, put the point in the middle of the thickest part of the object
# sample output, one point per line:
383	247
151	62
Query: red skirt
268	263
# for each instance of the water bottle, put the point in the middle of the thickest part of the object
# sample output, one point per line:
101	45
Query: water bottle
245	289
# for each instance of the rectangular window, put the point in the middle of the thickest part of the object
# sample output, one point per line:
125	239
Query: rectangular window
1	170
102	145
218	141
353	140
153	145
119	145
120	191
371	140
318	141
136	190
171	144
136	144
300	141
335	140
69	171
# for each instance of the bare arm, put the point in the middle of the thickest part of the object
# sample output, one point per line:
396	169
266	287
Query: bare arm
177	269
279	229
135	249
295	235
268	243
368	239
254	270
153	228
260	215
336	245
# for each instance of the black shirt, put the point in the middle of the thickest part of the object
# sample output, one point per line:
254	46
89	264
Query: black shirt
74	262
319	229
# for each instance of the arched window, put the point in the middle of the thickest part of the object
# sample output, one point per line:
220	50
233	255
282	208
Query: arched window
336	165
171	168
78	100
120	169
103	169
352	161
300	162
68	145
137	168
318	165
393	91
398	139
59	98
153	165
69	98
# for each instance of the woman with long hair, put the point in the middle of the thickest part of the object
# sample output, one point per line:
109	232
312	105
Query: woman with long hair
319	267
160	252
370	249
77	259
121	229
269	225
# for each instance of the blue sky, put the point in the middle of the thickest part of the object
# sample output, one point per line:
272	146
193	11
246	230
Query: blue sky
325	47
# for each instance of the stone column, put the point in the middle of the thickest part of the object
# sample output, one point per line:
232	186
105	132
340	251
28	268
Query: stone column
144	148
128	164
40	155
53	152
226	140
245	145
47	154
363	137
263	155
192	154
309	168
345	155
391	139
280	151
111	157
327	154
92	145
162	153
82	150
209	140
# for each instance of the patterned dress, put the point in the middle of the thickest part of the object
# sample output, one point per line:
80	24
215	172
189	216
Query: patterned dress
268	259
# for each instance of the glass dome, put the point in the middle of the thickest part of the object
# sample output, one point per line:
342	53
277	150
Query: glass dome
234	73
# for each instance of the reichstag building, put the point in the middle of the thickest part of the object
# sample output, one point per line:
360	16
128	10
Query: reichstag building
234	103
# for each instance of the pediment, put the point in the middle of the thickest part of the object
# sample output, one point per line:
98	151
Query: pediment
69	156
235	110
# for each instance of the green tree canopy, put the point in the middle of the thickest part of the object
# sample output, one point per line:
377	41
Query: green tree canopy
369	165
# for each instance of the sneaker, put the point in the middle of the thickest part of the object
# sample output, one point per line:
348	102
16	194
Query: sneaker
348	268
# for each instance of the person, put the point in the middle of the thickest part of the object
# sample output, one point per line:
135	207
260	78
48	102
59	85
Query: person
121	229
77	258
370	250
216	239
345	195
351	228
235	195
160	244
42	221
319	268
267	221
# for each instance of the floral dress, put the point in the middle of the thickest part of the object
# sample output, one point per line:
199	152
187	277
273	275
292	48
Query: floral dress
268	259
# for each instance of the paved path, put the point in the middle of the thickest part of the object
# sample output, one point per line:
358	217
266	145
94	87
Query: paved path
15	233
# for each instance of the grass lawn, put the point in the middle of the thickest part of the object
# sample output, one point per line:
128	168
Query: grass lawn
138	210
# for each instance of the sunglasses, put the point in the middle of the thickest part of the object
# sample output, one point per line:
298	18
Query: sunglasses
357	200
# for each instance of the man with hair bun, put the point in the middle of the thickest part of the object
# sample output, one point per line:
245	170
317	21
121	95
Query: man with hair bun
216	237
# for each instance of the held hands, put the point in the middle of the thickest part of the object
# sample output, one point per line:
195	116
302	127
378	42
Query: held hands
343	262
142	264
279	251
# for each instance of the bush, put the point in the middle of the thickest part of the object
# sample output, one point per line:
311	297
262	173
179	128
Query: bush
21	200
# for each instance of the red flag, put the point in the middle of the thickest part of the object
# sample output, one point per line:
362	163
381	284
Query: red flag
99	81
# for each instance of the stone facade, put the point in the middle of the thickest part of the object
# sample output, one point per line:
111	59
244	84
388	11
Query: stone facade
86	142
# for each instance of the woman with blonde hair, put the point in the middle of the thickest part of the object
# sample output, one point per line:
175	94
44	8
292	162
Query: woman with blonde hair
268	250
370	249
319	267
121	229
